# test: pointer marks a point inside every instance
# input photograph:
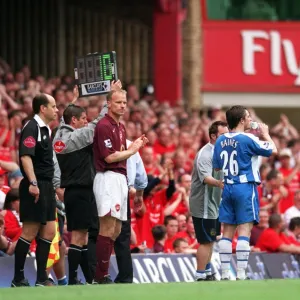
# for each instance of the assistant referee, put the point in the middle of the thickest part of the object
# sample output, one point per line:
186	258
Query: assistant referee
37	197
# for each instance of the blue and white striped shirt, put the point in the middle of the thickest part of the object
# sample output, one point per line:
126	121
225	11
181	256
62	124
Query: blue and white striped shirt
236	153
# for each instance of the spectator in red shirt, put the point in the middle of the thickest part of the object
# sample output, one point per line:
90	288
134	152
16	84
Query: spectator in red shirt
185	142
27	105
259	228
6	245
285	129
15	123
4	189
13	226
272	191
293	211
293	233
182	164
10	212
164	142
154	205
157	196
149	161
264	170
182	225
191	235
271	239
291	178
180	245
152	137
179	203
172	233
6	139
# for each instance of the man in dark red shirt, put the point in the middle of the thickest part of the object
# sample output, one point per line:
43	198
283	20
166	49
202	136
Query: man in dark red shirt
110	183
260	227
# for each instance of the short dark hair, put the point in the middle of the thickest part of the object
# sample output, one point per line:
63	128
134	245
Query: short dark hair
11	196
272	174
158	232
179	179
38	101
168	219
213	128
177	242
72	111
274	220
295	222
292	143
234	115
263	167
13	113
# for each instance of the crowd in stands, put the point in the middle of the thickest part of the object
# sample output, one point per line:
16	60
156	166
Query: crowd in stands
175	136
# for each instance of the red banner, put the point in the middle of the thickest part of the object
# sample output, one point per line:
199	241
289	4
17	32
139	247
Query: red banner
251	56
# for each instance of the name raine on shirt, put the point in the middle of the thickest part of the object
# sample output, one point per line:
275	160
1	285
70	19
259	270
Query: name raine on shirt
229	142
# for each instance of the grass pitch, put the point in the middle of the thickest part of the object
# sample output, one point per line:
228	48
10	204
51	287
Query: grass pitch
224	290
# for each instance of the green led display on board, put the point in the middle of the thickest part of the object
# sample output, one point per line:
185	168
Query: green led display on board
106	67
94	73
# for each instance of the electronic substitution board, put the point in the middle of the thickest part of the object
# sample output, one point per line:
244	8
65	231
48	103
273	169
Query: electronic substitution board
94	73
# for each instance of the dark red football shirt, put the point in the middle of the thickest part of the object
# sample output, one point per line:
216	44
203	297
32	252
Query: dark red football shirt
109	137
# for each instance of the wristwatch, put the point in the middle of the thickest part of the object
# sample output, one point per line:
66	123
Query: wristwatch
33	182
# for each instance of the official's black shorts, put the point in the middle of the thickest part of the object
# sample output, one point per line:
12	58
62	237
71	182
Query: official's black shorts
80	207
206	229
45	208
94	225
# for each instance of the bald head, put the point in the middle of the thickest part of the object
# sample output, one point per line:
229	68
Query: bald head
44	105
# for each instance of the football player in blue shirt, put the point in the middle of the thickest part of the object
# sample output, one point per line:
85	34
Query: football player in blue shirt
236	154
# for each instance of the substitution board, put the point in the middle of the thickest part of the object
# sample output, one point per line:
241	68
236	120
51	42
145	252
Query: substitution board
94	73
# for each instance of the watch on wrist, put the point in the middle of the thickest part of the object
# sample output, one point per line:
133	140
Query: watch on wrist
33	182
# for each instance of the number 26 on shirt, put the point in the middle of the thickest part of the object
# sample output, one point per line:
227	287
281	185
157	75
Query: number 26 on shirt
230	164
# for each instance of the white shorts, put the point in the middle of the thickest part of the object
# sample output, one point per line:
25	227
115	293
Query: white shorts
111	193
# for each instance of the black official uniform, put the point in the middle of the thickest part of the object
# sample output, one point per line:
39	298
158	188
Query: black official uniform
73	148
35	141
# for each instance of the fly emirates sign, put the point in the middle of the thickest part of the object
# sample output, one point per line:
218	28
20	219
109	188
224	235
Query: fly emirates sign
281	54
253	60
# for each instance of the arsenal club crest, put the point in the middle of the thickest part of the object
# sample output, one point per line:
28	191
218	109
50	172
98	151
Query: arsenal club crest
117	207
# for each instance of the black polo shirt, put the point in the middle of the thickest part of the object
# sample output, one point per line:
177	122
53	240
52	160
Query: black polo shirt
35	141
